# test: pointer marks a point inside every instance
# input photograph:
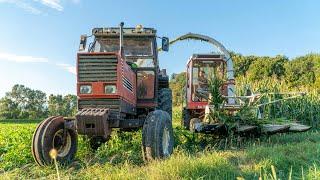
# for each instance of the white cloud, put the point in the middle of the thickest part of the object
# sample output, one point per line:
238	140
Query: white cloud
67	67
31	59
21	58
29	6
23	5
54	4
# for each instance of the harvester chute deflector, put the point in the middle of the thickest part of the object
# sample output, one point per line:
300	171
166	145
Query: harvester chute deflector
223	50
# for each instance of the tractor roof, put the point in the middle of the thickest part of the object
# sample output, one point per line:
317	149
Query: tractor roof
115	31
206	57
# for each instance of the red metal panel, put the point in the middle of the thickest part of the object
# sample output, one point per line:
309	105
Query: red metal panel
123	70
196	105
97	90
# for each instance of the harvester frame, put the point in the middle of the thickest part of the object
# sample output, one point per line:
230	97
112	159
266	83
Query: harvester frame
195	112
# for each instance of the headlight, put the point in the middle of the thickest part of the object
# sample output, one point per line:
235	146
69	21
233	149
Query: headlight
110	89
85	89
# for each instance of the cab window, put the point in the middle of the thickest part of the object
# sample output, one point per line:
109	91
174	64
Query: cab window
201	73
145	84
142	62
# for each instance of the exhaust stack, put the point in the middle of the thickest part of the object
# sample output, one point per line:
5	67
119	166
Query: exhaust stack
121	38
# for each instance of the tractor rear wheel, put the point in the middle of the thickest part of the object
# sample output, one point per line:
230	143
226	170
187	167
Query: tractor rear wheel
157	136
185	121
52	135
165	100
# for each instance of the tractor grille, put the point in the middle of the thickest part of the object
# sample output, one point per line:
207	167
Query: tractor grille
97	68
113	104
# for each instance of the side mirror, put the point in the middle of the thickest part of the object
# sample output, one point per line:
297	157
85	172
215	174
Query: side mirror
83	42
165	44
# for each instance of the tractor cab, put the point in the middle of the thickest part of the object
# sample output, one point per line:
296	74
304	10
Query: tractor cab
200	69
138	50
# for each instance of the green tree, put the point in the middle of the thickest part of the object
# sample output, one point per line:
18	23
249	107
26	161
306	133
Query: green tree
242	63
8	109
267	67
178	88
62	105
23	103
302	71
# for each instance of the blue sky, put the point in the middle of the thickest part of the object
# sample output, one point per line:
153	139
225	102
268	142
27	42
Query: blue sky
39	38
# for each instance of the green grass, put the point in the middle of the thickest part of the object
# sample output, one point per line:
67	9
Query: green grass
293	155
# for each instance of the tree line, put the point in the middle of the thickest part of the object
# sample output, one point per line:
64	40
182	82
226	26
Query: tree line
25	103
297	73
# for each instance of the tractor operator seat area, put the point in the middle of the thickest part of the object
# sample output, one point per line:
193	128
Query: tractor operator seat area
202	73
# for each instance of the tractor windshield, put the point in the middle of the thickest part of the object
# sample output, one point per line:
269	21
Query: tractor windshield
133	46
201	73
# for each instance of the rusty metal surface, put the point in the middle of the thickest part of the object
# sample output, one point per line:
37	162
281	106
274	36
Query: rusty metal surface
93	122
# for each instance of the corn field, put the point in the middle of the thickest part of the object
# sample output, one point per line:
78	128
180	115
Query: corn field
304	109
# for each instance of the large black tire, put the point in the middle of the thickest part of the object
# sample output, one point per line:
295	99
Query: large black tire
50	135
185	121
165	100
36	146
157	136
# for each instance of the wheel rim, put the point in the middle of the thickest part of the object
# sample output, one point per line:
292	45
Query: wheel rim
165	141
62	147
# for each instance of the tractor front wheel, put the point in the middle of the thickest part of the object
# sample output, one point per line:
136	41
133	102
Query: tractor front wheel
51	135
157	136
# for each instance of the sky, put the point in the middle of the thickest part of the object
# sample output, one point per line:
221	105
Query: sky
39	39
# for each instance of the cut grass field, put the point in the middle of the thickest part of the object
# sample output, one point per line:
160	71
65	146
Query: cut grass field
283	156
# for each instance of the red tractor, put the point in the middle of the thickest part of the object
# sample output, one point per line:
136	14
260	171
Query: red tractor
119	85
